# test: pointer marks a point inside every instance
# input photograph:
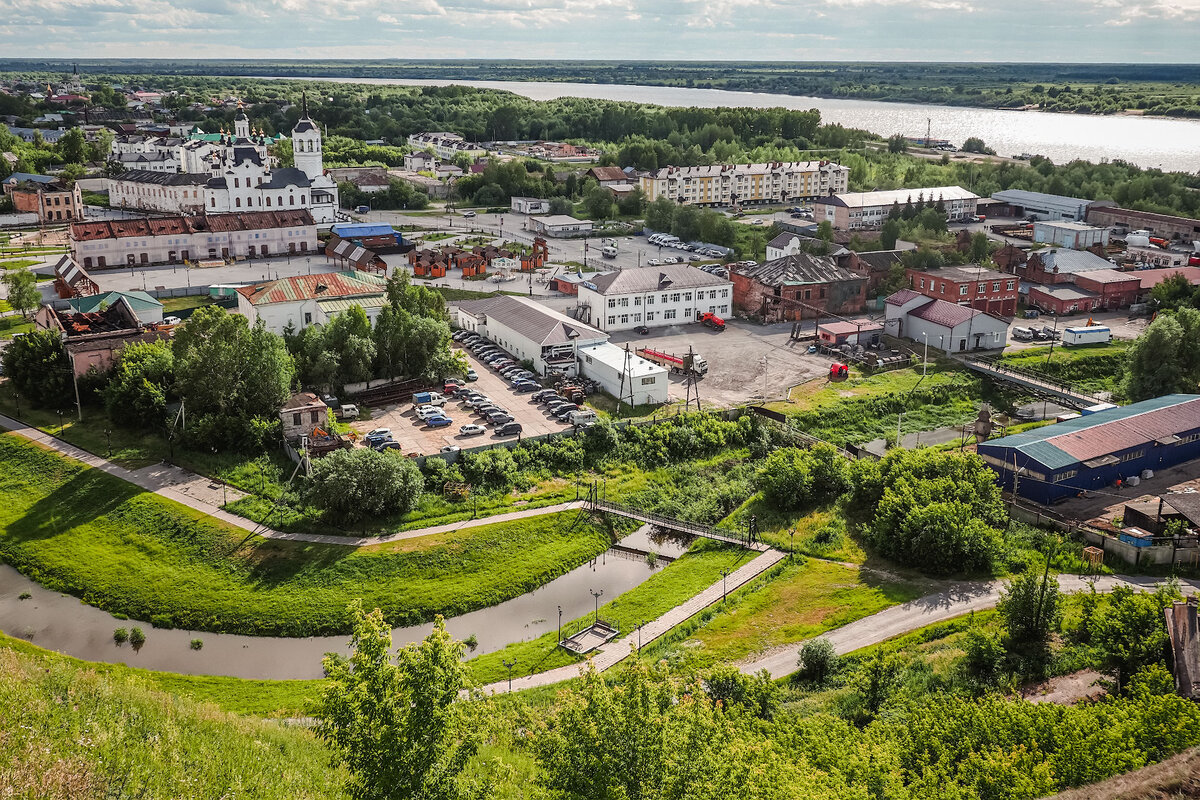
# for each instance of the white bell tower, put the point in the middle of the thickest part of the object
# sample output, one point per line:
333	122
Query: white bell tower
241	123
306	145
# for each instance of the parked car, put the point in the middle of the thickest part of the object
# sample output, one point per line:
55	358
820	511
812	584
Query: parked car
468	214
426	412
451	448
472	375
508	429
451	387
439	422
378	434
642	330
565	411
654	262
499	419
387	444
487	411
471	430
553	398
540	395
347	411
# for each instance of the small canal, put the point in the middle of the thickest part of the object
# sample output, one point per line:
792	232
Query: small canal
66	625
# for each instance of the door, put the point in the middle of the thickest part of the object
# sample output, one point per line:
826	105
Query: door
252	251
224	252
962	345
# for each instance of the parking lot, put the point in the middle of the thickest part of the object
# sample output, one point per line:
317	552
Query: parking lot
738	359
414	436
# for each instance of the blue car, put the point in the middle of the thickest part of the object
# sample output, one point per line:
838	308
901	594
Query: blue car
525	386
439	422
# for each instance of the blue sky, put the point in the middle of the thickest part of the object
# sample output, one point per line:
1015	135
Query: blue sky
860	30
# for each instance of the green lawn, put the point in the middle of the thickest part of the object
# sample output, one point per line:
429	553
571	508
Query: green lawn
174	304
11	326
81	531
796	601
73	730
693	572
20	263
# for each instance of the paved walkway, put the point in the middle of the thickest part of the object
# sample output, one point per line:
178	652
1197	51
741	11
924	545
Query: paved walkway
960	599
207	495
617	651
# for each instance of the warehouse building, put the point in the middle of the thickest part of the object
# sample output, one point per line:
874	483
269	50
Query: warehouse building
1040	205
1075	235
848	211
947	326
554	342
1096	451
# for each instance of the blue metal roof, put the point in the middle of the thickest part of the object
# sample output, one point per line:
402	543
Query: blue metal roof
20	177
352	230
1075	440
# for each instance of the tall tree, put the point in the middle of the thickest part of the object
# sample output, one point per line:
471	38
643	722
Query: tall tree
72	147
398	727
38	368
1166	358
139	384
23	294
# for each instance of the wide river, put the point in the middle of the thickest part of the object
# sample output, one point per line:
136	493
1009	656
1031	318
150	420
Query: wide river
1169	144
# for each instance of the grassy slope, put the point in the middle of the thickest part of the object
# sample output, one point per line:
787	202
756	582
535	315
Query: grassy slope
68	732
82	531
793	602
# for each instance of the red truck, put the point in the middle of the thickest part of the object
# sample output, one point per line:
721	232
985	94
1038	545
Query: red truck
712	320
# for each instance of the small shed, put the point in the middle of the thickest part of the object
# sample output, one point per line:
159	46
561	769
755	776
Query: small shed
302	413
855	331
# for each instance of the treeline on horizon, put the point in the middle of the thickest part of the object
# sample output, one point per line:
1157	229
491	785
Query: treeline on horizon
1158	89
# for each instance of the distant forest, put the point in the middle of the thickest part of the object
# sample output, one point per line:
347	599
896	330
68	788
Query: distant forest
1158	89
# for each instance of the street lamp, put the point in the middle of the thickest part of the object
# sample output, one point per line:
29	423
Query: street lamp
640	624
509	665
925	358
107	443
597	595
792	544
559	643
724	587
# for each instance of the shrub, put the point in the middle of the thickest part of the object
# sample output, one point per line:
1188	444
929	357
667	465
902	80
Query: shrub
471	642
137	638
120	636
818	661
197	644
792	478
25	596
360	483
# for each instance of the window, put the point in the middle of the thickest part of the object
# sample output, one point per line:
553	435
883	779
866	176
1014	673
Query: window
648	381
1062	476
235	183
237	201
624	319
1133	455
313	416
650	300
942	289
637	317
1009	287
922	283
624	302
669	314
296	418
307	318
664	298
637	301
687	296
612	302
981	288
675	297
649	316
1189	438
962	290
995	286
612	320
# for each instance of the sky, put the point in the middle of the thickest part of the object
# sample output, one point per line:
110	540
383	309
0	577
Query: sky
1126	31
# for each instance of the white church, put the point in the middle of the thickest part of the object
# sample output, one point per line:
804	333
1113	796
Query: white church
241	176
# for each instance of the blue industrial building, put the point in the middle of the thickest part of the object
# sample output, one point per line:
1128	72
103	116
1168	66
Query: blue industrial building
1096	450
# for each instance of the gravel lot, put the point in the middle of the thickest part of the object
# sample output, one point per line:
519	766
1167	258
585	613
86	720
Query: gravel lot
415	436
737	359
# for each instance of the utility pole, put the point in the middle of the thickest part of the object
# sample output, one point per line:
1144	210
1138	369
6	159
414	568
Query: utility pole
559	643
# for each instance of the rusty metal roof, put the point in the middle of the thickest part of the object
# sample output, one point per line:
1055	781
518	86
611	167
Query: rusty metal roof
325	286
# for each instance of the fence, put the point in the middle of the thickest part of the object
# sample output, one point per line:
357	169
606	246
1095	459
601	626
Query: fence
1177	550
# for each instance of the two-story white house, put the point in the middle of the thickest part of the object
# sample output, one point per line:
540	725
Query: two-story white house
671	294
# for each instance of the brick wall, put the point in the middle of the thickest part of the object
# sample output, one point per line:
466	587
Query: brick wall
798	302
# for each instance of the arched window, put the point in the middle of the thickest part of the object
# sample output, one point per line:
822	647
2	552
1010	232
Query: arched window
237	201
235	183
291	199
301	199
212	202
268	202
280	201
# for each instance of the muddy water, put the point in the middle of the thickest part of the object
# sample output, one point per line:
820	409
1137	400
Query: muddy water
64	624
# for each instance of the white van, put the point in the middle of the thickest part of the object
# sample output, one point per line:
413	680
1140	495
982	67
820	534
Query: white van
609	251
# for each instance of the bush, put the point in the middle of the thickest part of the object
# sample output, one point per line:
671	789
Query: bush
818	661
792	478
137	638
197	644
360	483
120	636
37	367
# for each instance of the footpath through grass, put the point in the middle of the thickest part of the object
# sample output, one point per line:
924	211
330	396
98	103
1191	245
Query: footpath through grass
74	731
81	531
695	571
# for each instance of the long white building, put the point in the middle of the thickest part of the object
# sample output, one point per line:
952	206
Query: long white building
730	184
673	294
171	240
852	210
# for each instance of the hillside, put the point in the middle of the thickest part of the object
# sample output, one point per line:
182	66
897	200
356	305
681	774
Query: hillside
68	732
1174	779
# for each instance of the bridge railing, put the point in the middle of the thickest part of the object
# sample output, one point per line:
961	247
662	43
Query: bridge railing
987	365
663	521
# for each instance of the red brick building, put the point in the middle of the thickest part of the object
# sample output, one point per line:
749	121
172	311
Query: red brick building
1062	299
1114	289
875	266
1059	265
799	286
51	199
983	289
